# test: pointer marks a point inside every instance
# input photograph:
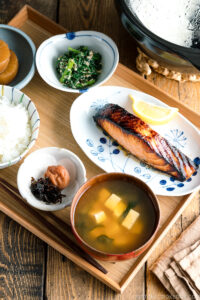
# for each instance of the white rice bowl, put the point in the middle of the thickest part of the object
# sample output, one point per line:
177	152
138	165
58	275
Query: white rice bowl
19	129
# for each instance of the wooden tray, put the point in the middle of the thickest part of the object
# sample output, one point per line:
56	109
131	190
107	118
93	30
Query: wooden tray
55	131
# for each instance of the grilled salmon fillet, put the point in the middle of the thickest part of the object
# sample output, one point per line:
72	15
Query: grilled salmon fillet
143	142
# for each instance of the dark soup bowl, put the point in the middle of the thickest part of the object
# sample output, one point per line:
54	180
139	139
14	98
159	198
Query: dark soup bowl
114	216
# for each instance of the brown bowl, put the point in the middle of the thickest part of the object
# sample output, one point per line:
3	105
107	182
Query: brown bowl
103	177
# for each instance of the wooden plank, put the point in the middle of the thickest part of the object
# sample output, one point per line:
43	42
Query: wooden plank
27	12
154	287
10	8
190	95
22	266
66	280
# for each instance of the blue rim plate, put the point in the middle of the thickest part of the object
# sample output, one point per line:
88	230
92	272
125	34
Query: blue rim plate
110	157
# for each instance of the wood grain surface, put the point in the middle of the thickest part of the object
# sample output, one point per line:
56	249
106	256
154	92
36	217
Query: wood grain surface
29	269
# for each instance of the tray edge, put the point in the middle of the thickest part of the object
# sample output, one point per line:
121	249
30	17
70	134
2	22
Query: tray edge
27	12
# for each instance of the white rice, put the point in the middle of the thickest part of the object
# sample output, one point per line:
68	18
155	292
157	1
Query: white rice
15	130
177	21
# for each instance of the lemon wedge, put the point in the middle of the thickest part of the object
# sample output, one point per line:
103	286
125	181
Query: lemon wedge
153	114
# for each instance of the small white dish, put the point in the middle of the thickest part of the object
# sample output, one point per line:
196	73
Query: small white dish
52	48
109	156
35	166
15	96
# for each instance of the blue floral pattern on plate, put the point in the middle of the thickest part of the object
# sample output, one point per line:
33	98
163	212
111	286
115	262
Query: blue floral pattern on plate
99	103
172	183
107	151
107	143
177	138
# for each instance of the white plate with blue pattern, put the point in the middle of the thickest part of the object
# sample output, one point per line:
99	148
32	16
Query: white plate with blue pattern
109	156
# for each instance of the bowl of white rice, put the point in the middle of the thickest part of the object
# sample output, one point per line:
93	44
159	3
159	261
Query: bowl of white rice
19	125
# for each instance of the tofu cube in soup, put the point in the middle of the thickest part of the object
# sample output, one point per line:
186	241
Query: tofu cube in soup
112	201
130	219
98	217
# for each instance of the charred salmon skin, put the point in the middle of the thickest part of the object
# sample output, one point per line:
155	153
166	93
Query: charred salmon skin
143	142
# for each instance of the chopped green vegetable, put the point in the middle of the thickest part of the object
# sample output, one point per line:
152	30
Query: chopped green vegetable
130	205
74	50
79	68
104	239
68	71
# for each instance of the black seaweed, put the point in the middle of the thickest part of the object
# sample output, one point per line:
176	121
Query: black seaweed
44	190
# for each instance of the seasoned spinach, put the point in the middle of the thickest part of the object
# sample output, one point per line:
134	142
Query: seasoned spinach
79	68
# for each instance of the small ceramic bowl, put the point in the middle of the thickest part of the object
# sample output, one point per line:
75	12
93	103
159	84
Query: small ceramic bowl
24	48
16	96
52	48
36	164
103	178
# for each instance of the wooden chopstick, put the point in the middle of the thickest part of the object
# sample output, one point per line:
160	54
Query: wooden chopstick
13	192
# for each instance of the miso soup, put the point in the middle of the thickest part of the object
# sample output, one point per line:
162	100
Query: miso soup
115	216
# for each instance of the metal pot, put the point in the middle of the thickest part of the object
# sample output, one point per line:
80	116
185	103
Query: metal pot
167	54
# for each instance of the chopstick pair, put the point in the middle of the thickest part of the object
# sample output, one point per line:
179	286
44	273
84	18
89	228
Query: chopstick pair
13	192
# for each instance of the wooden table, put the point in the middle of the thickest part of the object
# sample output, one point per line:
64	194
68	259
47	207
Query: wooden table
30	269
